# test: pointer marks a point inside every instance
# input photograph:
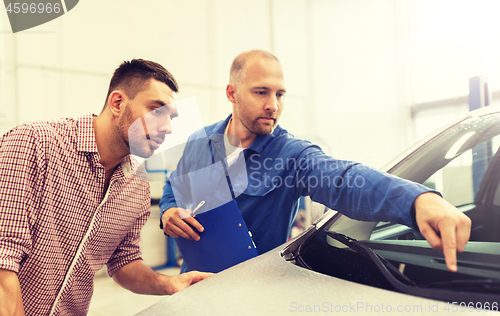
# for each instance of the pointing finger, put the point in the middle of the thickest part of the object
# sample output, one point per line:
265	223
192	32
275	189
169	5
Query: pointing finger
449	242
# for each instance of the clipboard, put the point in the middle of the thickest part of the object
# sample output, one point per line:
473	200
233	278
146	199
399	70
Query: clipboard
224	243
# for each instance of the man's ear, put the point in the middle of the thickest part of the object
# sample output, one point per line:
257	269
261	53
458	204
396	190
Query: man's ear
230	91
115	102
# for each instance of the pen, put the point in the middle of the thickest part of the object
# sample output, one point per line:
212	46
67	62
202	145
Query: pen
197	208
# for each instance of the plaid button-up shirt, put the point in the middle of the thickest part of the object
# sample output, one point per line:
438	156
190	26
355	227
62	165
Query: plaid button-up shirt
58	225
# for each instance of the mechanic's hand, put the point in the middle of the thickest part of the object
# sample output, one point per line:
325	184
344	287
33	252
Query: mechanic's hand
443	225
182	281
174	223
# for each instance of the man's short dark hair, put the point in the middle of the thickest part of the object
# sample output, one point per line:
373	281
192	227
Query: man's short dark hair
132	76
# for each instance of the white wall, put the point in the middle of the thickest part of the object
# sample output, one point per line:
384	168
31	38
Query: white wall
340	58
354	53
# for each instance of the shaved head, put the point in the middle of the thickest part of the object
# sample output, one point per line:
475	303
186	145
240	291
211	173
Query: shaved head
237	71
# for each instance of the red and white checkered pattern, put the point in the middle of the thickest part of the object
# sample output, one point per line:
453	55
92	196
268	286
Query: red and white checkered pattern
57	225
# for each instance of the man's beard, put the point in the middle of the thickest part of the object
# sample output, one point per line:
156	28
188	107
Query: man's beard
133	135
256	126
123	126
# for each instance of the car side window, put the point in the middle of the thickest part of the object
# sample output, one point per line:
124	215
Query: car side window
460	180
455	181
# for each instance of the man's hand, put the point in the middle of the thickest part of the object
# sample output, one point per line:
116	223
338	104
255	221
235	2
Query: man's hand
174	223
446	228
140	279
182	281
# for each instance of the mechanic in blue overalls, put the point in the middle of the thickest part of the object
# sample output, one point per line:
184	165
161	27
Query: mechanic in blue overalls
269	170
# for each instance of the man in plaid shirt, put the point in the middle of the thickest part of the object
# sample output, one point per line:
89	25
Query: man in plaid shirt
73	199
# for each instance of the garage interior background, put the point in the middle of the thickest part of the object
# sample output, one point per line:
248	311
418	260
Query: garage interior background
365	78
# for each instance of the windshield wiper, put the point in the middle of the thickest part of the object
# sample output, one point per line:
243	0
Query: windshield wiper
389	271
404	285
476	285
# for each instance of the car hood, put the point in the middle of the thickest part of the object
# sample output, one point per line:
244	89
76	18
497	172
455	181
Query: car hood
269	285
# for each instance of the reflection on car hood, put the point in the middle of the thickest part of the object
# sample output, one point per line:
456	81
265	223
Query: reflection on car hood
268	285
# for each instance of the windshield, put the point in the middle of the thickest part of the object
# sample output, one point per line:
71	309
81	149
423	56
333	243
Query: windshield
455	162
463	164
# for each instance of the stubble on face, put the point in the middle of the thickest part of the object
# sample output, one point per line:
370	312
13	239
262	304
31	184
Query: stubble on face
248	109
130	132
144	115
253	122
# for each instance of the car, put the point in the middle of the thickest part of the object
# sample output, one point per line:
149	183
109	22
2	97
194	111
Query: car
342	265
